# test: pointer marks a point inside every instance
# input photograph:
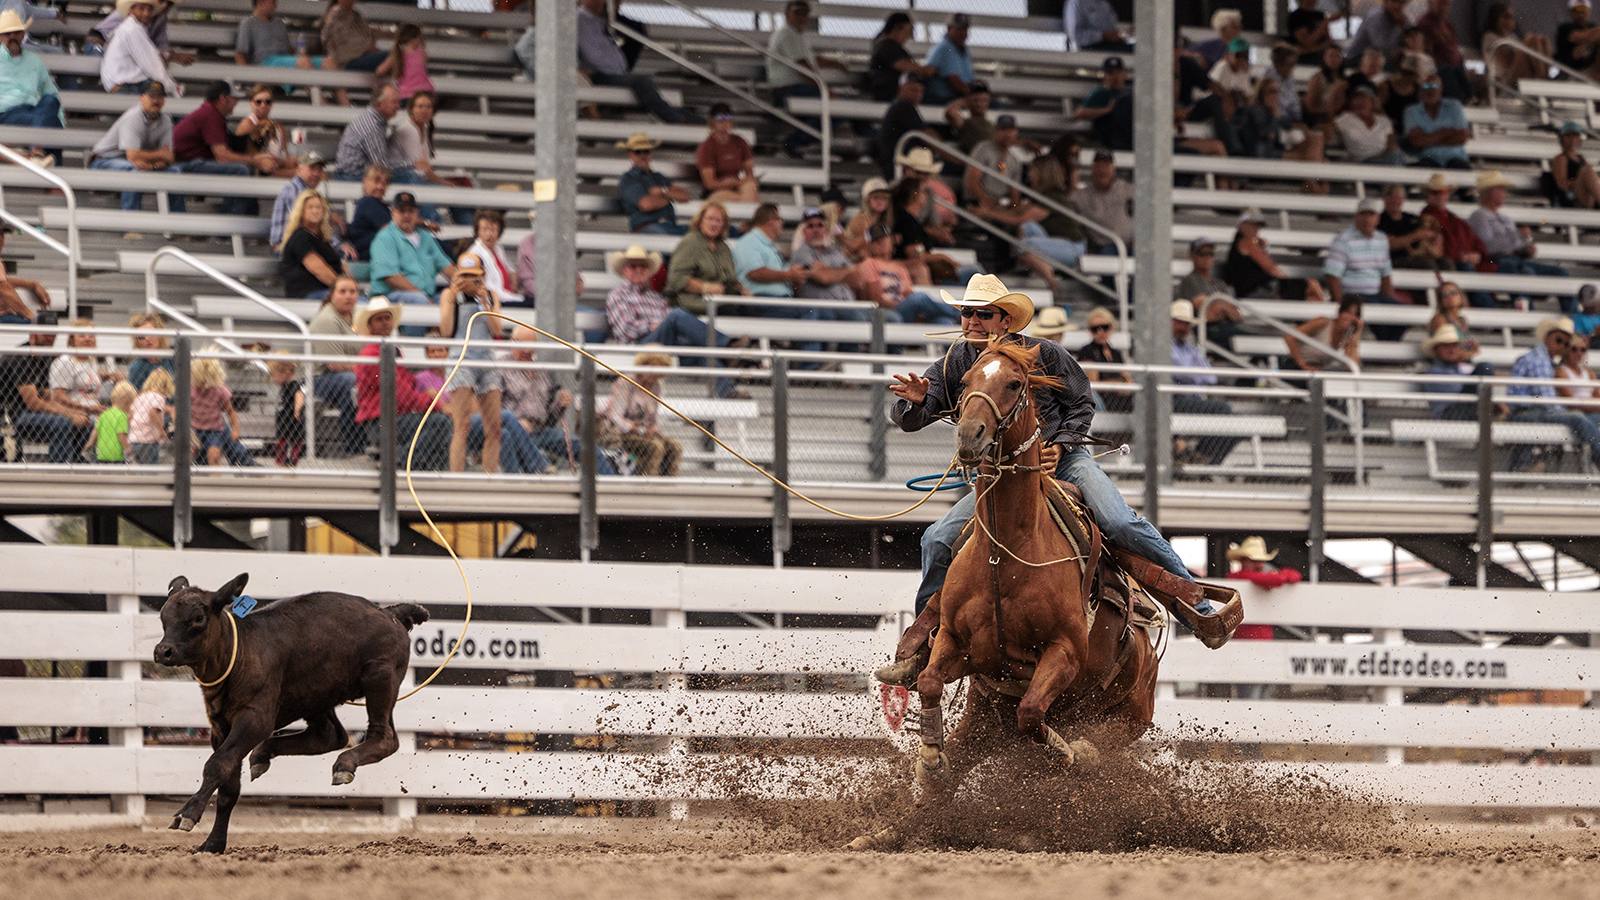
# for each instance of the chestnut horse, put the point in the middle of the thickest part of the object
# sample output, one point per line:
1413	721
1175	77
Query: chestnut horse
1012	612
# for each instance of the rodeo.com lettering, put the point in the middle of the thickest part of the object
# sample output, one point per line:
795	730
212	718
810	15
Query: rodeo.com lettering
1390	664
494	648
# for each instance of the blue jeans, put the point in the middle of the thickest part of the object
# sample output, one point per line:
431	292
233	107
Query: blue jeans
339	389
1061	250
131	200
368	63
1479	299
433	445
44	114
920	307
682	329
1216	447
672	228
556	442
1120	525
65	438
519	455
233	452
416	298
1583	428
1519	265
644	91
235	206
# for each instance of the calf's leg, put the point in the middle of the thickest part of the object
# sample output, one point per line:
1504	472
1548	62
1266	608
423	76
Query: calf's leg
381	682
322	734
243	734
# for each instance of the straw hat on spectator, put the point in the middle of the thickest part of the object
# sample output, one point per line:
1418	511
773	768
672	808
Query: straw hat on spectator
638	141
10	22
1182	311
378	304
1444	334
126	6
987	290
1492	179
1437	182
1253	547
616	259
1051	323
1545	326
873	186
920	159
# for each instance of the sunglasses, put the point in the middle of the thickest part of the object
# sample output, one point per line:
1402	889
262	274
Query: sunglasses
982	315
1205	253
261	101
1094	328
640	152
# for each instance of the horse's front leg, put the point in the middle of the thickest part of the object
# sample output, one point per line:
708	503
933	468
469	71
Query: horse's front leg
1058	667
947	664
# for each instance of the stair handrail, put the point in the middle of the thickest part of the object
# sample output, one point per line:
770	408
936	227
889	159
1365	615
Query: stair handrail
73	249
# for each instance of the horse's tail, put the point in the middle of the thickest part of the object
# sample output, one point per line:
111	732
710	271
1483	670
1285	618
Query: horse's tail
410	615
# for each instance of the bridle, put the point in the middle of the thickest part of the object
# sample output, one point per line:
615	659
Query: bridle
992	453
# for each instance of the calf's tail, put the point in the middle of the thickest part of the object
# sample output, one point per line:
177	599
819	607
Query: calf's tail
409	614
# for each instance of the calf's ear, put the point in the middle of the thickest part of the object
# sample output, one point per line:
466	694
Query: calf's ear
176	585
229	592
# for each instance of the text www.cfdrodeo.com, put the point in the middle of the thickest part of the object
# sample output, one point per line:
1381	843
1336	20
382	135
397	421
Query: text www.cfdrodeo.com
1388	664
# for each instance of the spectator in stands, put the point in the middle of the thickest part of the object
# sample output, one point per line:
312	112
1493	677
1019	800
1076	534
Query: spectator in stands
911	242
702	263
349	42
1342	332
406	262
94	43
789	42
263	135
1503	62
1452	353
1229	25
1211	296
1414	241
528	264
1553	336
139	141
309	258
1106	201
1050	324
639	315
108	437
951	62
1251	272
647	196
1578	40
1451	309
827	271
1380	30
1587	320
459	305
1232	79
1369	73
335	382
1282	71
310	170
760	266
1584	389
1101	323
900	118
885	281
499	276
1436	128
1446	50
411	154
1368	136
1308	32
76	378
263	40
140	367
1326	89
147	421
1109	108
1461	248
968	116
725	162
366	139
1050	237
200	146
13	310
877	208
985	191
1358	265
603	63
131	58
1209	450
540	404
408	62
890	61
27	94
1571	181
919	166
628	420
1266	132
1093	25
1509	245
211	414
1403	89
372	214
26	398
378	319
289	428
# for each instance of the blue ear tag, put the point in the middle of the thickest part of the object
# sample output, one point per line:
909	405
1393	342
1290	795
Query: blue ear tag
242	605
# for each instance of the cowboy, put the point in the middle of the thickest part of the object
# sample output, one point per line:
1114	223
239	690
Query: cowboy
989	312
1509	244
27	95
1452	354
1551	336
132	59
639	315
647	196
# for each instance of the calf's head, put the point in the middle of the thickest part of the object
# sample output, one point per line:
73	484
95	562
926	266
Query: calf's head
191	620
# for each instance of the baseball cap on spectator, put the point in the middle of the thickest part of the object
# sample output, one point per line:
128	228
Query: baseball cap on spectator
812	212
1238	45
879	231
1105	156
312	158
1199	244
873	186
1589	296
218	90
404	200
469	264
1112	62
721	111
977	86
155	89
960	20
1005	121
1252	215
1369	205
1570	127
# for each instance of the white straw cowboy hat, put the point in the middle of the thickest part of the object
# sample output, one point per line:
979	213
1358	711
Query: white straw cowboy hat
1546	326
124	7
1444	334
638	141
920	159
1051	323
378	304
1253	547
1492	179
617	258
1437	182
1182	311
10	22
987	290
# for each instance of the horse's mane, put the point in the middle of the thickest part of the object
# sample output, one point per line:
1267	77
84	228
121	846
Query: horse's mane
1026	357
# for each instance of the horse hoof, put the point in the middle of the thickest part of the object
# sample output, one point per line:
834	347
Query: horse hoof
343	777
887	839
1084	754
258	769
931	772
182	823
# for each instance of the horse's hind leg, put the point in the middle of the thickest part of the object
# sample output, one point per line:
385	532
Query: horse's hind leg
322	734
381	683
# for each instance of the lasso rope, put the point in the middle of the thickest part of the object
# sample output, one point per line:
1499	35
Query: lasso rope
233	658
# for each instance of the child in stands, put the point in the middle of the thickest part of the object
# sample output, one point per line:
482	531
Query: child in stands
211	413
147	423
408	63
289	422
109	437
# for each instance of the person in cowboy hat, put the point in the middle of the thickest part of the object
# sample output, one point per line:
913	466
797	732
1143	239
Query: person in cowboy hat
27	94
1050	324
919	167
1452	353
647	196
1540	362
1508	244
1253	566
990	312
1213	449
131	57
639	315
378	318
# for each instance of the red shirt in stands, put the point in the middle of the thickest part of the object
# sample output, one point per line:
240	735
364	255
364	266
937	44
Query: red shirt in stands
1459	238
199	131
724	157
1266	581
1441	35
407	398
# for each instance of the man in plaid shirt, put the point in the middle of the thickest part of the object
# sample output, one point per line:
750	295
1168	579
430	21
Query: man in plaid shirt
639	315
1553	335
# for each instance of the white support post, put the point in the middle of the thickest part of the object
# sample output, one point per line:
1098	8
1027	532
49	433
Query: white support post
126	804
677	687
404	808
1392	695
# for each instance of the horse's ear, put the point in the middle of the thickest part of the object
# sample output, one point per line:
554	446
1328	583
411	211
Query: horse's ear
176	585
230	591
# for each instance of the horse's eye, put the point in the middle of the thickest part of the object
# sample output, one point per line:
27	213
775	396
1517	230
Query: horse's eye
1014	386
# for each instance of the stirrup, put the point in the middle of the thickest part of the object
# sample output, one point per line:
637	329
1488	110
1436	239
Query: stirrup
904	672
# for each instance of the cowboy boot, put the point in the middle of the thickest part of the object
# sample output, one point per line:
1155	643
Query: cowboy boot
1186	599
915	647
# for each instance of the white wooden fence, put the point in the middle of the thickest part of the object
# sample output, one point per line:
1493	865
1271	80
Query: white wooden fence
127	703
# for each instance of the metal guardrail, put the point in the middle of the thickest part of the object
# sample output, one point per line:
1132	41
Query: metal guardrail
73	250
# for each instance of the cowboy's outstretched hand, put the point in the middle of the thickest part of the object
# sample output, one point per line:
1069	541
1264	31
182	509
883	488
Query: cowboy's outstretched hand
911	387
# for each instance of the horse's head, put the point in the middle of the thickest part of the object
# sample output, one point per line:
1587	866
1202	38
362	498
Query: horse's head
996	403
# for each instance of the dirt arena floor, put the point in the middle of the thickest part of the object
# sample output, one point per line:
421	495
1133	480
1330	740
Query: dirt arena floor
698	860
